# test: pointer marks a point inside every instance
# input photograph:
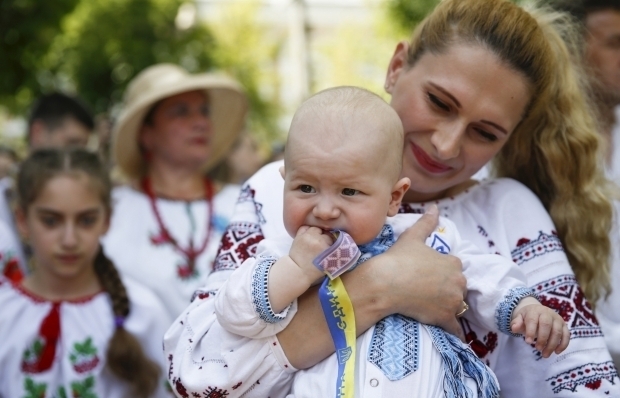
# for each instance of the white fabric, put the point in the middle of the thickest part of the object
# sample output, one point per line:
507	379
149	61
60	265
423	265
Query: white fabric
499	216
128	242
490	279
91	318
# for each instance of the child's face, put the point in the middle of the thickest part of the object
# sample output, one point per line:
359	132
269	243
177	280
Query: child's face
342	189
64	224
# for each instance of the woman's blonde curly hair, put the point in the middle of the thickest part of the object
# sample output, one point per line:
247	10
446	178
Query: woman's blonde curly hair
555	148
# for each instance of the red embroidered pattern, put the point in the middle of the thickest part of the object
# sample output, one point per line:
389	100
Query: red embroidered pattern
590	375
564	295
480	347
238	243
528	249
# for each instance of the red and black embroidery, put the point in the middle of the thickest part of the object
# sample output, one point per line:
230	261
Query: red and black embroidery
528	249
179	388
590	376
214	392
564	295
239	242
480	347
407	209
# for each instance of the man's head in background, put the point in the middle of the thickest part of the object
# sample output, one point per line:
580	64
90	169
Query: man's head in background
59	120
601	20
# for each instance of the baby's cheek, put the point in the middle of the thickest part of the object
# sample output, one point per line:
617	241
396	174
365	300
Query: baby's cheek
292	219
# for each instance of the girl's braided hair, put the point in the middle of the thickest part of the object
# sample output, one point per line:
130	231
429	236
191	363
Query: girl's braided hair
125	356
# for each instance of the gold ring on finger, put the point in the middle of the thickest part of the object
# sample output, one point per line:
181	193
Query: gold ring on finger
465	308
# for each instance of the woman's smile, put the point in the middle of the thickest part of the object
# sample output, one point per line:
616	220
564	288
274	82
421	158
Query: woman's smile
426	162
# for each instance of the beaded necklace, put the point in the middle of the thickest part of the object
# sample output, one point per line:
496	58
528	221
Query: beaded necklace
190	253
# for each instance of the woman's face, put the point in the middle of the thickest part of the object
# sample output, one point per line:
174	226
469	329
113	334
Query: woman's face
458	109
180	130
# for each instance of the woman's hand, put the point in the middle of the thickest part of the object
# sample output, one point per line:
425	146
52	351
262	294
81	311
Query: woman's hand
418	281
410	278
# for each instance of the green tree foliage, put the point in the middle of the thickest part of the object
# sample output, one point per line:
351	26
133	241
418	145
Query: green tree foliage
408	13
107	42
27	29
95	48
248	51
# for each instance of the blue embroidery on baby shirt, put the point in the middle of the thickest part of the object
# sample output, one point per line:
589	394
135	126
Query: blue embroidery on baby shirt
439	244
395	343
503	312
378	245
260	294
395	346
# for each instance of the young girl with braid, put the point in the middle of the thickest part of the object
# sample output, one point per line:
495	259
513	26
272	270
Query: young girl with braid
73	327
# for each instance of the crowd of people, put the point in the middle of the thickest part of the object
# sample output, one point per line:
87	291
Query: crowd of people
458	241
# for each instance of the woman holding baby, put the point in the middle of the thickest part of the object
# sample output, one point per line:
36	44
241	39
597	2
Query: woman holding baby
479	81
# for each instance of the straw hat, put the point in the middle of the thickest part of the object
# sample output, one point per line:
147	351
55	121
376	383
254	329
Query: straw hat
228	107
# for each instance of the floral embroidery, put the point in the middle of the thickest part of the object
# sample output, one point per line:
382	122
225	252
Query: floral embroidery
9	264
34	390
84	357
214	392
32	355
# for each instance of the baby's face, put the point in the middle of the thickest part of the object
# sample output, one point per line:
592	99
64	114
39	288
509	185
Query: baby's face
337	189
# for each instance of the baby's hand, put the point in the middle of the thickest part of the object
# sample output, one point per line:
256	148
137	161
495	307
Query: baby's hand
542	325
307	245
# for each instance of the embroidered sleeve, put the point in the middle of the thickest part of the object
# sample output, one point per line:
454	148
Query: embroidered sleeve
522	230
242	304
260	292
505	308
203	358
243	233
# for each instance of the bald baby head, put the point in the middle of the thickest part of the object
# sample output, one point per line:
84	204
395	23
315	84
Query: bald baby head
345	120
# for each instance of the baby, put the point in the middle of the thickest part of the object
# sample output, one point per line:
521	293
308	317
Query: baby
341	173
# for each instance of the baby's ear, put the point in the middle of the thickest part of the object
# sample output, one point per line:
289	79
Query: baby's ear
398	191
282	171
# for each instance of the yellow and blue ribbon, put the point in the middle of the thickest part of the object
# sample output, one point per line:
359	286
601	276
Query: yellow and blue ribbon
338	311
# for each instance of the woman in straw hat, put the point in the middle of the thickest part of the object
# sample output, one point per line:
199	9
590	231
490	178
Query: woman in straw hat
169	217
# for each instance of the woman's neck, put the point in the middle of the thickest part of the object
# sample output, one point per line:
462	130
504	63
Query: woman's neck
422	197
179	183
58	288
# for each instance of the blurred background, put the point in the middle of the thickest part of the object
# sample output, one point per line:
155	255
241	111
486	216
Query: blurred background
280	50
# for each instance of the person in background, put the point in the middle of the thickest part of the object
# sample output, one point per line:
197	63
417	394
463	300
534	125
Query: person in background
8	162
59	120
479	80
169	216
73	326
601	30
243	160
56	120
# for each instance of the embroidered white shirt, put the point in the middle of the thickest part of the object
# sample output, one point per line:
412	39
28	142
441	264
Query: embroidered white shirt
135	245
79	362
498	216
